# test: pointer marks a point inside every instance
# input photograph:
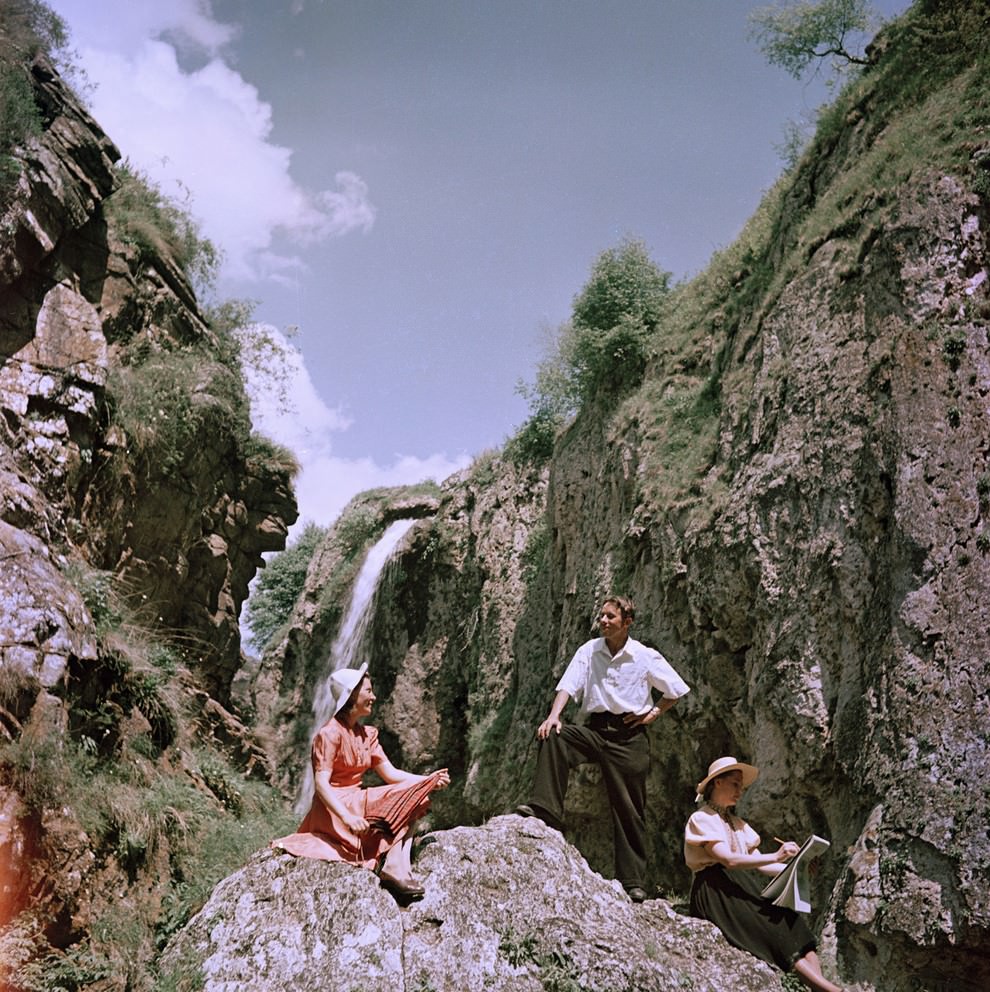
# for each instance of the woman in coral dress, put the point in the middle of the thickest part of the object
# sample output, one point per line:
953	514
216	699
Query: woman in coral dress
347	822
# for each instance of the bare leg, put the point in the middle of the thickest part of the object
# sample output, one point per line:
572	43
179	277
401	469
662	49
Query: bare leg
810	970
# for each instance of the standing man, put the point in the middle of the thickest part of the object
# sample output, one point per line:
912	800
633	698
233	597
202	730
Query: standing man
613	678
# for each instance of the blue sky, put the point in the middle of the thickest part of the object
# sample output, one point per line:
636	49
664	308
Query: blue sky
421	186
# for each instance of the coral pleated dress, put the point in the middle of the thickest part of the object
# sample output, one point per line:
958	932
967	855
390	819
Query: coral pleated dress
347	753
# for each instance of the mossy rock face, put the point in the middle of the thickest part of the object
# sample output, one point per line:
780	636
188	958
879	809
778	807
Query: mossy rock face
796	498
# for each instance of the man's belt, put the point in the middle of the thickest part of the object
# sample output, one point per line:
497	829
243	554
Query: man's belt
612	721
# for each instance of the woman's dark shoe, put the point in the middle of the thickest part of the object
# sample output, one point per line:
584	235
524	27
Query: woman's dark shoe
405	889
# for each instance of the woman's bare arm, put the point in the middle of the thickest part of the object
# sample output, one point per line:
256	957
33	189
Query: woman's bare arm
393	776
356	824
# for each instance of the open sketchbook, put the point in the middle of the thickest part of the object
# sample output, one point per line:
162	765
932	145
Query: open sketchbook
790	888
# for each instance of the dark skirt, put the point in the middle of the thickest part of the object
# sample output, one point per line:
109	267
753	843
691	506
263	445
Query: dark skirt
732	901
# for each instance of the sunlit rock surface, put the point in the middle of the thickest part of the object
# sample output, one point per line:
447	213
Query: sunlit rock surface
509	905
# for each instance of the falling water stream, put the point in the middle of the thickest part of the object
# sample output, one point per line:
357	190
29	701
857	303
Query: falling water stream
347	645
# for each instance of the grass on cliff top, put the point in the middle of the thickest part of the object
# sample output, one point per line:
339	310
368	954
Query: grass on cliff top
157	225
176	402
923	109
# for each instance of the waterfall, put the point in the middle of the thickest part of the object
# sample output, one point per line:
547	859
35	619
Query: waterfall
350	636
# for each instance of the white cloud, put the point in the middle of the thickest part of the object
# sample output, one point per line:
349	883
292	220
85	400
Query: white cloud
345	209
122	25
205	132
286	407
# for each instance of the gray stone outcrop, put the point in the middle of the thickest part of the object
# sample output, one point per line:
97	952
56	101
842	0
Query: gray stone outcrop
509	905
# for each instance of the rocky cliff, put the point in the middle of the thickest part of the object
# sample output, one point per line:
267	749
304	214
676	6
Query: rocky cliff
135	503
797	495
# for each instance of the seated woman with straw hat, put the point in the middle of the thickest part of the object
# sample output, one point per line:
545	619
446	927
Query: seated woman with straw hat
347	822
717	844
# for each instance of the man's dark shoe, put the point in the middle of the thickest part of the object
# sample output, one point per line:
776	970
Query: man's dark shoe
524	809
637	894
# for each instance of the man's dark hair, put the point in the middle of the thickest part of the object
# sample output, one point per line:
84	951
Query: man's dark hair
624	604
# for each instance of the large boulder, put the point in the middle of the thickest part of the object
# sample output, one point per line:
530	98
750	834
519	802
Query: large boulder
509	905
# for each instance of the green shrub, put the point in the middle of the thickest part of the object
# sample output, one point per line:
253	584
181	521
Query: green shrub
614	316
19	120
96	589
603	350
280	584
171	402
534	441
625	284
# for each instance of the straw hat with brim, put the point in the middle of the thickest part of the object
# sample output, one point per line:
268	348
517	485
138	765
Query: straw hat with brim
728	764
343	682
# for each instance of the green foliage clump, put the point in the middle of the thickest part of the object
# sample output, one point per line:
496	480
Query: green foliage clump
170	401
19	120
625	284
601	352
614	315
279	586
26	26
533	442
794	35
30	26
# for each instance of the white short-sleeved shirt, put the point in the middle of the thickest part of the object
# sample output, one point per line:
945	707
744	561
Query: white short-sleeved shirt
706	826
605	683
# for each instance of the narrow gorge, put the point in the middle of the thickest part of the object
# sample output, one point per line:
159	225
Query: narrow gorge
793	485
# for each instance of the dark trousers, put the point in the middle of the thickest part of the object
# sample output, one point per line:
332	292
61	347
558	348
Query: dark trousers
624	756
